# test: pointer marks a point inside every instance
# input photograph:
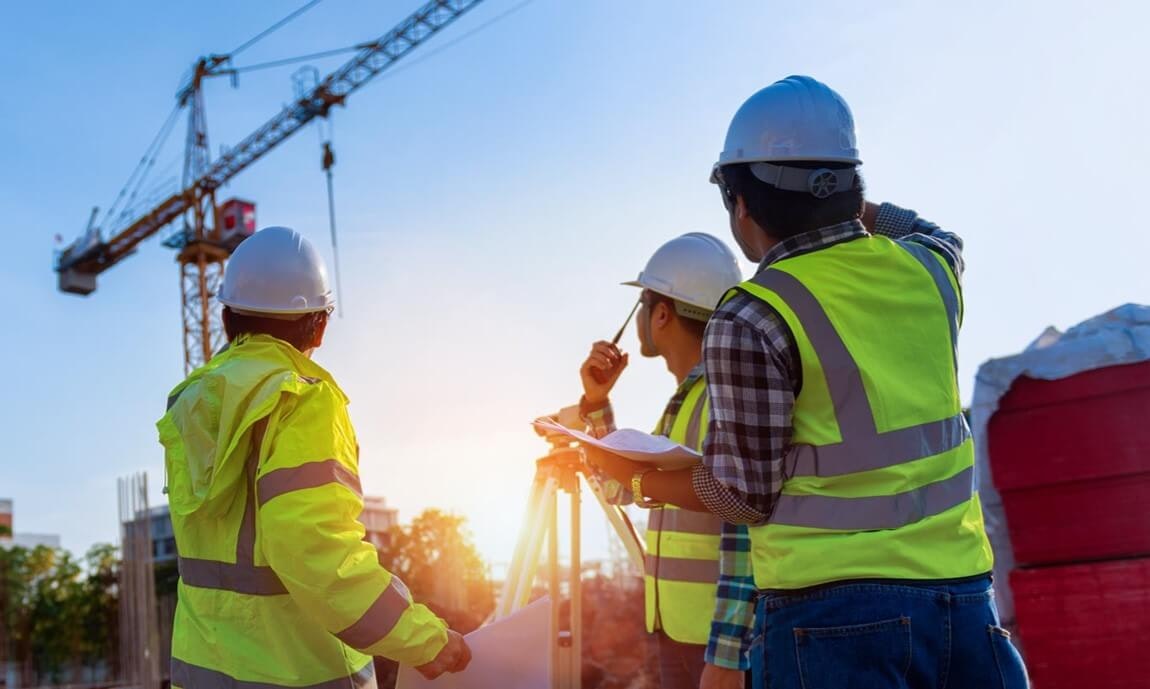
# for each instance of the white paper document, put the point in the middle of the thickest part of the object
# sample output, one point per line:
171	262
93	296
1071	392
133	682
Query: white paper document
635	445
511	653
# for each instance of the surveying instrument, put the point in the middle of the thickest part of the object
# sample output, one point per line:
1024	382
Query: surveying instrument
561	470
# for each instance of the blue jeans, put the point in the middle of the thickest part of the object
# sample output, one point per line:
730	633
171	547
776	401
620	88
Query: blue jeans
756	676
888	635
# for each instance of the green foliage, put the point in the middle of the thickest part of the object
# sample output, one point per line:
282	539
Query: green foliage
437	560
57	612
5	530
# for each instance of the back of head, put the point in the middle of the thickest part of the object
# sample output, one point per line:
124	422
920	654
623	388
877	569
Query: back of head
276	284
791	153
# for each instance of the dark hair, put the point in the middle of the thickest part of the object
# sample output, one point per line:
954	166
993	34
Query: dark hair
695	327
784	214
299	333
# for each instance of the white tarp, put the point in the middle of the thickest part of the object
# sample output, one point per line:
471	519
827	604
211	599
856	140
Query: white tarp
1117	337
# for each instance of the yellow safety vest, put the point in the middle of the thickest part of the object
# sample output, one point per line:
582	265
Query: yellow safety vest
277	586
682	568
880	472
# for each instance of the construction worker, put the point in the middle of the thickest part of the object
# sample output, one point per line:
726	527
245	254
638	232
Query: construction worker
277	586
836	423
682	283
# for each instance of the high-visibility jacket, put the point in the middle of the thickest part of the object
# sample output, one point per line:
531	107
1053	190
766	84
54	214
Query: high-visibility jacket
682	568
277	586
880	473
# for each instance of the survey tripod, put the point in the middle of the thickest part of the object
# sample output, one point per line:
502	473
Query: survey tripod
560	471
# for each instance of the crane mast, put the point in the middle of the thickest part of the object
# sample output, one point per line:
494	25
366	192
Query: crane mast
209	234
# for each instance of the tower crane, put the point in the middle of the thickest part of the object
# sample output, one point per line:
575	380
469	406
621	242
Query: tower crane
209	232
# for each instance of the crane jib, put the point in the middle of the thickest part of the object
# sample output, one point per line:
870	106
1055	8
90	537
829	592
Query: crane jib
374	58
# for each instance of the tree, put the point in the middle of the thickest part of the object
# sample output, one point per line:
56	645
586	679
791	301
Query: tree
101	611
57	607
56	614
437	560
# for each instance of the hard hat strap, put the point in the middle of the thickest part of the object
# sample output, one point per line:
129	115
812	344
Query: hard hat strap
819	182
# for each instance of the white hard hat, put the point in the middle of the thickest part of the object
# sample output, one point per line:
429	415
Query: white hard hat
695	270
276	271
795	119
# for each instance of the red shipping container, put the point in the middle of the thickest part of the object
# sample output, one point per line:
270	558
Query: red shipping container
1085	626
1071	459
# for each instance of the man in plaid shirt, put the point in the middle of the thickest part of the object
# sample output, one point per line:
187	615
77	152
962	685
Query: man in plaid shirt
836	379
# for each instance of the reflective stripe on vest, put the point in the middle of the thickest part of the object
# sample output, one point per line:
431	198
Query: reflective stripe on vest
875	512
380	618
310	475
684	569
862	447
930	261
189	676
243	576
685	521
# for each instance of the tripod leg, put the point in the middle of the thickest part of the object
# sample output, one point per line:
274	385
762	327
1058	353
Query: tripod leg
525	561
535	545
515	568
575	669
559	654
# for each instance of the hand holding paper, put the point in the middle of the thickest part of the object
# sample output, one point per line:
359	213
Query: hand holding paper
453	658
511	653
656	451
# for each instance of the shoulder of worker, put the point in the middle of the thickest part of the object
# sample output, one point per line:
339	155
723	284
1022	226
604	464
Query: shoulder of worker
311	418
905	225
292	371
741	310
311	392
262	382
740	330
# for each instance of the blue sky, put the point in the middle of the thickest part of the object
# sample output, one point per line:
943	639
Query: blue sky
492	196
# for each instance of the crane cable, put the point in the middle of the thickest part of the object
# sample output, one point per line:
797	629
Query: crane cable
140	174
455	41
301	58
271	29
147	162
360	46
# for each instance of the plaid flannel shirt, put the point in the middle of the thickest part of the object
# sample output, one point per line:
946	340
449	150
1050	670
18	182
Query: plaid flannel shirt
732	626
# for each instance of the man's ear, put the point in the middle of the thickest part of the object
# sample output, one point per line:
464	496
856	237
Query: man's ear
320	328
741	212
661	315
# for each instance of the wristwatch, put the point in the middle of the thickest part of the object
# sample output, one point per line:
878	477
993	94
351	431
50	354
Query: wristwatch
637	489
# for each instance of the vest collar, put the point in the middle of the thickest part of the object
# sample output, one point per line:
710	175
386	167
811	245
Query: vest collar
812	241
689	382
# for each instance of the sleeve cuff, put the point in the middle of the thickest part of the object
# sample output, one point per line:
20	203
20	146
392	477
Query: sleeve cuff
894	222
600	418
720	500
726	652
